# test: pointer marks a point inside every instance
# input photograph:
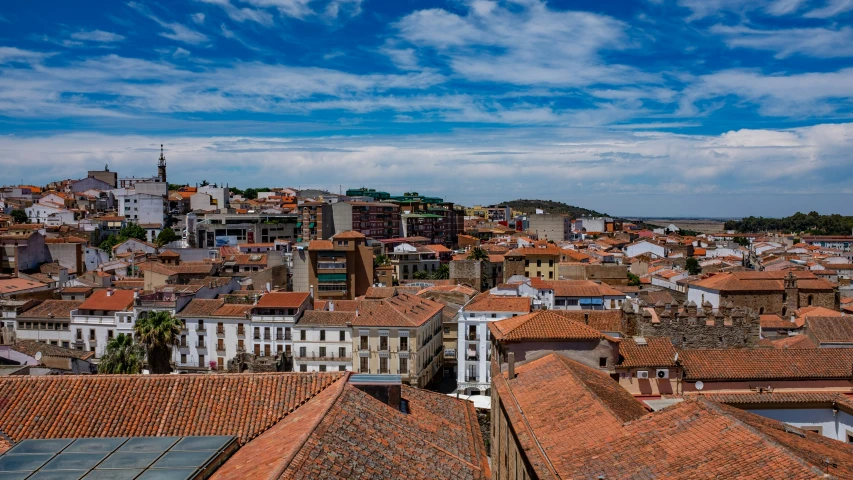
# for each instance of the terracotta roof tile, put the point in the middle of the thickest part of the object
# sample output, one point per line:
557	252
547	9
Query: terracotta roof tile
375	293
31	347
350	234
12	285
315	245
542	325
402	310
755	364
283	300
52	309
657	352
200	307
233	310
323	317
834	329
486	302
793	341
243	405
119	300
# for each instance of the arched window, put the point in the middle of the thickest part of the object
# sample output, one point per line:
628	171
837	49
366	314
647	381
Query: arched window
784	311
811	299
761	311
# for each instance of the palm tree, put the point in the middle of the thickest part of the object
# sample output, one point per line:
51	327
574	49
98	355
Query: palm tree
443	272
122	356
478	253
158	332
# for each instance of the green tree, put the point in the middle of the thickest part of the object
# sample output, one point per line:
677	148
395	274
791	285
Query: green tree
166	236
109	242
204	183
158	332
478	253
633	280
122	356
692	266
250	193
20	216
132	230
741	241
421	275
381	260
235	190
441	273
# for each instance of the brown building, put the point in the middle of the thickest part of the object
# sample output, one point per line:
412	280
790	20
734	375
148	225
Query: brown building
340	268
377	220
315	222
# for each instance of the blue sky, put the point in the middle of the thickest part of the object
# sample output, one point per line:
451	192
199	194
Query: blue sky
641	107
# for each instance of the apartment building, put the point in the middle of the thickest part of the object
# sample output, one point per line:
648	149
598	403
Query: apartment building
427	225
399	335
474	344
322	341
48	322
102	316
213	333
408	260
316	221
221	229
539	261
339	268
377	220
273	319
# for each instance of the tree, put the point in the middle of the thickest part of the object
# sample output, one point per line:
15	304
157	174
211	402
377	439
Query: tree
250	194
381	260
442	273
204	183
235	190
478	253
166	236
633	280
421	275
158	332
110	242
132	230
692	266
741	241
20	216
122	356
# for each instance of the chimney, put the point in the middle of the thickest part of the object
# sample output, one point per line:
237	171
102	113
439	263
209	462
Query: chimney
311	291
331	306
586	318
109	292
510	358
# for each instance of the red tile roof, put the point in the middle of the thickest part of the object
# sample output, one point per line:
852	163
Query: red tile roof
402	310
31	347
776	364
315	245
201	307
324	317
835	329
486	302
120	300
243	405
12	285
60	309
542	325
283	300
350	234
794	341
657	352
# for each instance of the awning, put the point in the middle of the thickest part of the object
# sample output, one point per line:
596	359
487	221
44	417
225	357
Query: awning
591	301
332	277
298	224
311	225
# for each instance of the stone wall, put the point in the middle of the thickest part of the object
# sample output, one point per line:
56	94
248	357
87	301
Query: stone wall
513	266
692	327
507	457
466	272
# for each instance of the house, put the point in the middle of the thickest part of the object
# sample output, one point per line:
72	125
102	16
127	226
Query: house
101	317
60	360
272	425
553	417
214	332
474	338
541	261
48	322
340	268
22	250
14	287
273	320
408	260
323	341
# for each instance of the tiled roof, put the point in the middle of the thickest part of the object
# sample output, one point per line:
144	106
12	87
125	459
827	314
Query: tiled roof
243	405
233	310
601	320
438	248
485	302
778	323
282	300
815	311
120	300
548	249
52	309
756	398
315	245
345	433
580	288
31	347
750	281
4	444
169	253
77	289
350	234
778	364
542	325
835	329
201	307
794	341
324	317
375	293
402	310
12	285
657	352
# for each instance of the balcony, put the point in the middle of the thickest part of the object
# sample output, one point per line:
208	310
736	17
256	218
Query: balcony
267	337
241	332
313	356
279	336
220	349
200	345
472	378
220	330
472	336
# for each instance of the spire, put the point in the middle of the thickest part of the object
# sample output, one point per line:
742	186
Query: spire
162	157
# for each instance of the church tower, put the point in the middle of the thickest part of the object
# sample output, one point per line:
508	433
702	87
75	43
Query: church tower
161	165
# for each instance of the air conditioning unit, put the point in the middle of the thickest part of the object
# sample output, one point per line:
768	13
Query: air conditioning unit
662	373
643	374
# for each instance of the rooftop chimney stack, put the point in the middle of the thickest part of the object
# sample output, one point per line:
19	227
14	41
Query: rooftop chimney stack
510	358
331	306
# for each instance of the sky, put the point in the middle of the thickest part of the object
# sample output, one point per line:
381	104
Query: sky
721	108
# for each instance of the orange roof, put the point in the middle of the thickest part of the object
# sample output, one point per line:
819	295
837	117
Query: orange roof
656	352
350	234
60	309
283	300
834	329
486	302
13	285
315	245
438	248
118	301
400	310
765	364
542	325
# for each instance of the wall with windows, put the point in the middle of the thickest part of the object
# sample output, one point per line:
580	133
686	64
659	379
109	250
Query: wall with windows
322	349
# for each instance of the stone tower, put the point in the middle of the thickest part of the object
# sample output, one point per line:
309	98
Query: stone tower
161	165
792	295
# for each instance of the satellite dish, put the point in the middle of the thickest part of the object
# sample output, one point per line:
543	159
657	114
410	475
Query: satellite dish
38	356
700	385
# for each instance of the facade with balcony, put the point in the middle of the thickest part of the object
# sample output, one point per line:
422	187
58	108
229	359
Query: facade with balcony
426	225
213	332
102	316
323	341
340	268
473	350
408	260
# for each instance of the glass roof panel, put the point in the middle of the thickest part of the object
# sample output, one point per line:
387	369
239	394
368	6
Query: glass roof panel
196	444
112	474
129	460
41	446
171	474
74	461
95	445
183	459
148	444
15	463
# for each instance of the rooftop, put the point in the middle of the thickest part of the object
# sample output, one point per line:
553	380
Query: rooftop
283	300
542	325
109	300
762	364
486	302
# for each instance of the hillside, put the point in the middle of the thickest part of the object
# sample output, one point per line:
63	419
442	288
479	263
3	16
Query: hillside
548	206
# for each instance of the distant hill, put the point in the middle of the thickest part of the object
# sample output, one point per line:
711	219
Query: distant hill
548	206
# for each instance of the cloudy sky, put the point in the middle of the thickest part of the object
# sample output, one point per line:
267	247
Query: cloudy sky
633	107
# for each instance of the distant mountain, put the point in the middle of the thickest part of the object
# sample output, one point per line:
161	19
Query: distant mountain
548	206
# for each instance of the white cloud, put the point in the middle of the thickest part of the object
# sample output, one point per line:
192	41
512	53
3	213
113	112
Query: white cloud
97	36
176	31
242	14
831	9
14	54
198	18
290	8
706	8
796	95
523	43
815	42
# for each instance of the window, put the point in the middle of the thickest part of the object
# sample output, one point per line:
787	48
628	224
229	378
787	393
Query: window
362	342
602	362
79	334
257	333
201	324
322	368
810	299
343	336
550	263
342	352
302	334
91	335
240	330
342	368
303	351
220	328
538	263
404	344
494	315
220	344
363	365
383	365
383	342
813	428
201	361
183	358
241	345
761	311
322	352
322	335
287	333
303	368
551	275
109	334
404	366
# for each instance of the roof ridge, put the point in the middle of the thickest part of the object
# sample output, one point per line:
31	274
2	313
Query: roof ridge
601	401
715	408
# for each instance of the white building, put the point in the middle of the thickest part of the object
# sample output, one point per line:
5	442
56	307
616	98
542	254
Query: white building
474	345
51	215
645	247
273	319
214	331
144	209
322	341
102	316
410	259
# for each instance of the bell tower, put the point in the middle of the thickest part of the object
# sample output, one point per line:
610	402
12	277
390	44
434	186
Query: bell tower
161	165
